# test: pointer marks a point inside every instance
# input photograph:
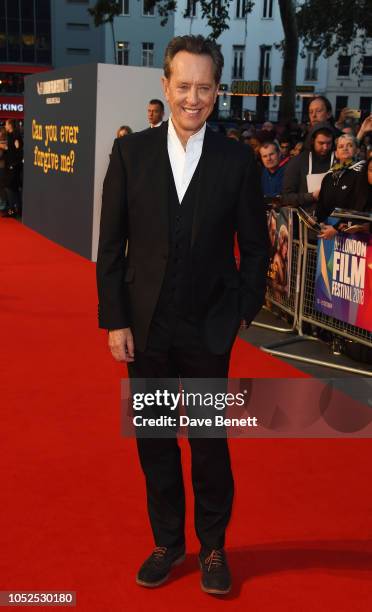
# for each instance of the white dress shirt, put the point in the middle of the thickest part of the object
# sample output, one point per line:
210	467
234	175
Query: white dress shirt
184	162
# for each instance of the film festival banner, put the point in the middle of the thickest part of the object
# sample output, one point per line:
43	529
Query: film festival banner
280	231
343	282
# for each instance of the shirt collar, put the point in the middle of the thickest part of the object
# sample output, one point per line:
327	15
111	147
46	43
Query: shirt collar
198	137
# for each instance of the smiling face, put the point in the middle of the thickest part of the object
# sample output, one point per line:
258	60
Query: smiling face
191	92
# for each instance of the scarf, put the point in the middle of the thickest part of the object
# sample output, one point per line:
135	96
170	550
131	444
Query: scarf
339	168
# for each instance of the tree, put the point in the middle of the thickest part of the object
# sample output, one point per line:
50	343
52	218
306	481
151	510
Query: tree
216	14
327	26
290	57
105	11
334	27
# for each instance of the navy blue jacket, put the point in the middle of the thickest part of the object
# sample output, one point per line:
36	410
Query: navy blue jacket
272	182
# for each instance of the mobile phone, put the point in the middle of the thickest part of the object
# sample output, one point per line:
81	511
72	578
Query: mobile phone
354	113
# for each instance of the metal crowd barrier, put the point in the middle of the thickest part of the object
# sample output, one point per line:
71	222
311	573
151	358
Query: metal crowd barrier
288	304
300	303
309	314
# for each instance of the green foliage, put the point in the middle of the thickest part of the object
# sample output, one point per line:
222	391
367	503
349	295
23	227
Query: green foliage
215	13
104	11
164	8
327	26
330	26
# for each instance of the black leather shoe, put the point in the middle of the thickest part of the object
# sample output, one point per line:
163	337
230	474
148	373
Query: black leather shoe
157	567
215	577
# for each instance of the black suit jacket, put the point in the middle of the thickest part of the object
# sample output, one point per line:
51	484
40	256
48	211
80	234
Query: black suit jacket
134	237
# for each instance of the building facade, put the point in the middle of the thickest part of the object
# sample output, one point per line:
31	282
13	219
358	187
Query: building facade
75	39
139	36
38	35
349	80
41	34
25	47
136	37
251	44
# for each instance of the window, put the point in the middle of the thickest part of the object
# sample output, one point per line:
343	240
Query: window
267	64
147	11
238	62
344	62
365	105
76	51
123	53
267	9
77	26
367	65
25	31
42	8
341	102
124	7
190	8
147	54
43	35
216	7
240	9
311	70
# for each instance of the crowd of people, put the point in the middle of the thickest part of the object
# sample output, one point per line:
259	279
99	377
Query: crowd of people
319	167
294	158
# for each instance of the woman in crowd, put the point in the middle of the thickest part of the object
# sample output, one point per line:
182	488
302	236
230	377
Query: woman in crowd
123	130
344	186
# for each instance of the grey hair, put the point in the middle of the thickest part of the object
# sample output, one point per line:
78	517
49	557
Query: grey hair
348	137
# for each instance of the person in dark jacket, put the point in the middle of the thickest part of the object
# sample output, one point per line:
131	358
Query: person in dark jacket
320	111
303	174
273	172
171	296
13	156
345	185
3	141
368	205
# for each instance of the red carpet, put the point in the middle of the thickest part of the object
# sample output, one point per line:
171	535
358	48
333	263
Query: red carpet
72	511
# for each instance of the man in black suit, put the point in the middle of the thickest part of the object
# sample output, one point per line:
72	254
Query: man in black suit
155	113
170	292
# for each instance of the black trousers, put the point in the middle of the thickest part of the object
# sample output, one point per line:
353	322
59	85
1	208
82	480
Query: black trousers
175	350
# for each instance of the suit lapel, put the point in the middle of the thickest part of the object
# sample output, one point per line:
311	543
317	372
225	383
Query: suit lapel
211	165
159	187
